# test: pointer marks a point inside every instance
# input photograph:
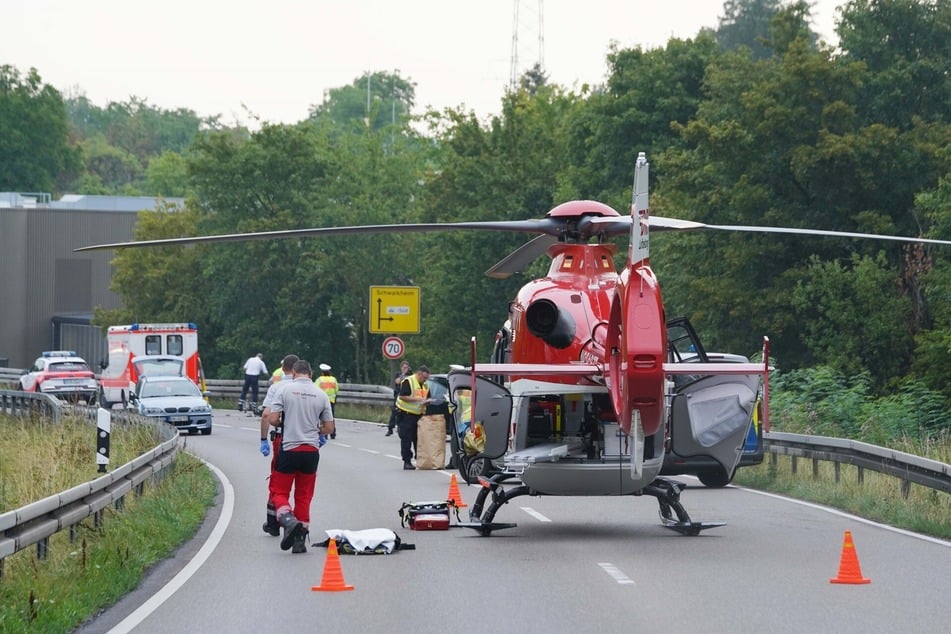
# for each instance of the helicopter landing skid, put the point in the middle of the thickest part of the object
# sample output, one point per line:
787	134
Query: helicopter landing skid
485	529
482	522
667	493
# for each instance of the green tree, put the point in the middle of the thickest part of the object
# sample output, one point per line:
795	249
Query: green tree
122	139
376	100
504	169
268	182
308	295
906	46
161	284
832	300
647	93
780	141
167	175
932	357
114	168
746	23
35	154
738	165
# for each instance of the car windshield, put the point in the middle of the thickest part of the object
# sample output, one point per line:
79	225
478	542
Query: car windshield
155	389
437	389
68	366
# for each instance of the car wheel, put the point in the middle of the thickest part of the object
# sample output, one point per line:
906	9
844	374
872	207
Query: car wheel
206	432
473	468
715	478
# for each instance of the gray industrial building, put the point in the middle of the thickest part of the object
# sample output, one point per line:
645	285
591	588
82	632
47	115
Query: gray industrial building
47	291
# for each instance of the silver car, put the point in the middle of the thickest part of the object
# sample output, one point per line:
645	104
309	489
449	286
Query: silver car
176	400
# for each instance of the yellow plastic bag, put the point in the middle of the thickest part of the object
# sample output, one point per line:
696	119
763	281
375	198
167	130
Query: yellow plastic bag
474	441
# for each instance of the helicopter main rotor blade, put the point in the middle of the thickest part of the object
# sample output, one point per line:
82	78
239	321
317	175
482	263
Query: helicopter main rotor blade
545	226
517	260
658	223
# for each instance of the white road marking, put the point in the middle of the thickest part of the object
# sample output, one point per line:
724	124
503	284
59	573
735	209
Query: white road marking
535	514
227	509
375	453
616	574
861	520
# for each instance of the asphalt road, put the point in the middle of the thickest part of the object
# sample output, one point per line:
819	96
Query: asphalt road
595	564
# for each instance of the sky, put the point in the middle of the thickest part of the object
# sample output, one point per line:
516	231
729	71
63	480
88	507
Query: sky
250	61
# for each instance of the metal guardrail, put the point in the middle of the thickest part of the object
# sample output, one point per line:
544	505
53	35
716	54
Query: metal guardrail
10	376
36	522
231	388
349	392
904	466
17	403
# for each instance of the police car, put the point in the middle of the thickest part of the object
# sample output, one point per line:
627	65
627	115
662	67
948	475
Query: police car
62	374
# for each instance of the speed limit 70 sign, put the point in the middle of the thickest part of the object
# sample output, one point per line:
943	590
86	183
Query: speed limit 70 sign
393	348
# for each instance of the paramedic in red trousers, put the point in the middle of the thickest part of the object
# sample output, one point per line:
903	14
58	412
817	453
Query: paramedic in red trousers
253	369
307	417
328	383
411	403
271	527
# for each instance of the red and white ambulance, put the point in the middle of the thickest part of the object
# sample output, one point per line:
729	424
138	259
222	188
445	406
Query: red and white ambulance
136	350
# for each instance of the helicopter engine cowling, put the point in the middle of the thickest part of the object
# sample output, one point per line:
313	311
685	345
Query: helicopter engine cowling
550	324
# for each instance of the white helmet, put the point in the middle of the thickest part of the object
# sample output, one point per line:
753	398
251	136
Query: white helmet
324	367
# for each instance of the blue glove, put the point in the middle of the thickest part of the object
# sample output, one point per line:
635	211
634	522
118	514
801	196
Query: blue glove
265	448
321	441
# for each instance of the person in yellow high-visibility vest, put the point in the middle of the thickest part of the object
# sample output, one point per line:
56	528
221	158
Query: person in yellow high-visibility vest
463	413
411	403
328	383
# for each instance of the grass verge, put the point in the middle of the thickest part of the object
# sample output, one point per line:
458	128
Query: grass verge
99	565
878	497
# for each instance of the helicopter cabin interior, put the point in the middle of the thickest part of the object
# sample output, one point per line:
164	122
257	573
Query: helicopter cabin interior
582	425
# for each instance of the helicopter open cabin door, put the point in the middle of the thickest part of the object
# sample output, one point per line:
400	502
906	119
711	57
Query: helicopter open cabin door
711	416
493	409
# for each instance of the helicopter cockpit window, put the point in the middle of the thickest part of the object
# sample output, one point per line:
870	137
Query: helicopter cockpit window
683	344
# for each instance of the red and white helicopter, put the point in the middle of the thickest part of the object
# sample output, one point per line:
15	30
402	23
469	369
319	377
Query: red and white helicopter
587	384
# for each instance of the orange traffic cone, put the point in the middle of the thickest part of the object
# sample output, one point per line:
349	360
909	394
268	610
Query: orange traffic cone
332	581
849	570
454	495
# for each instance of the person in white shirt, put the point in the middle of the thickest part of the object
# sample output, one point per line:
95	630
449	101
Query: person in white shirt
307	419
253	369
274	434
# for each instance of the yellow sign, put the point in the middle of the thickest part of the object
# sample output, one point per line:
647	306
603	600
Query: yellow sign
394	309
